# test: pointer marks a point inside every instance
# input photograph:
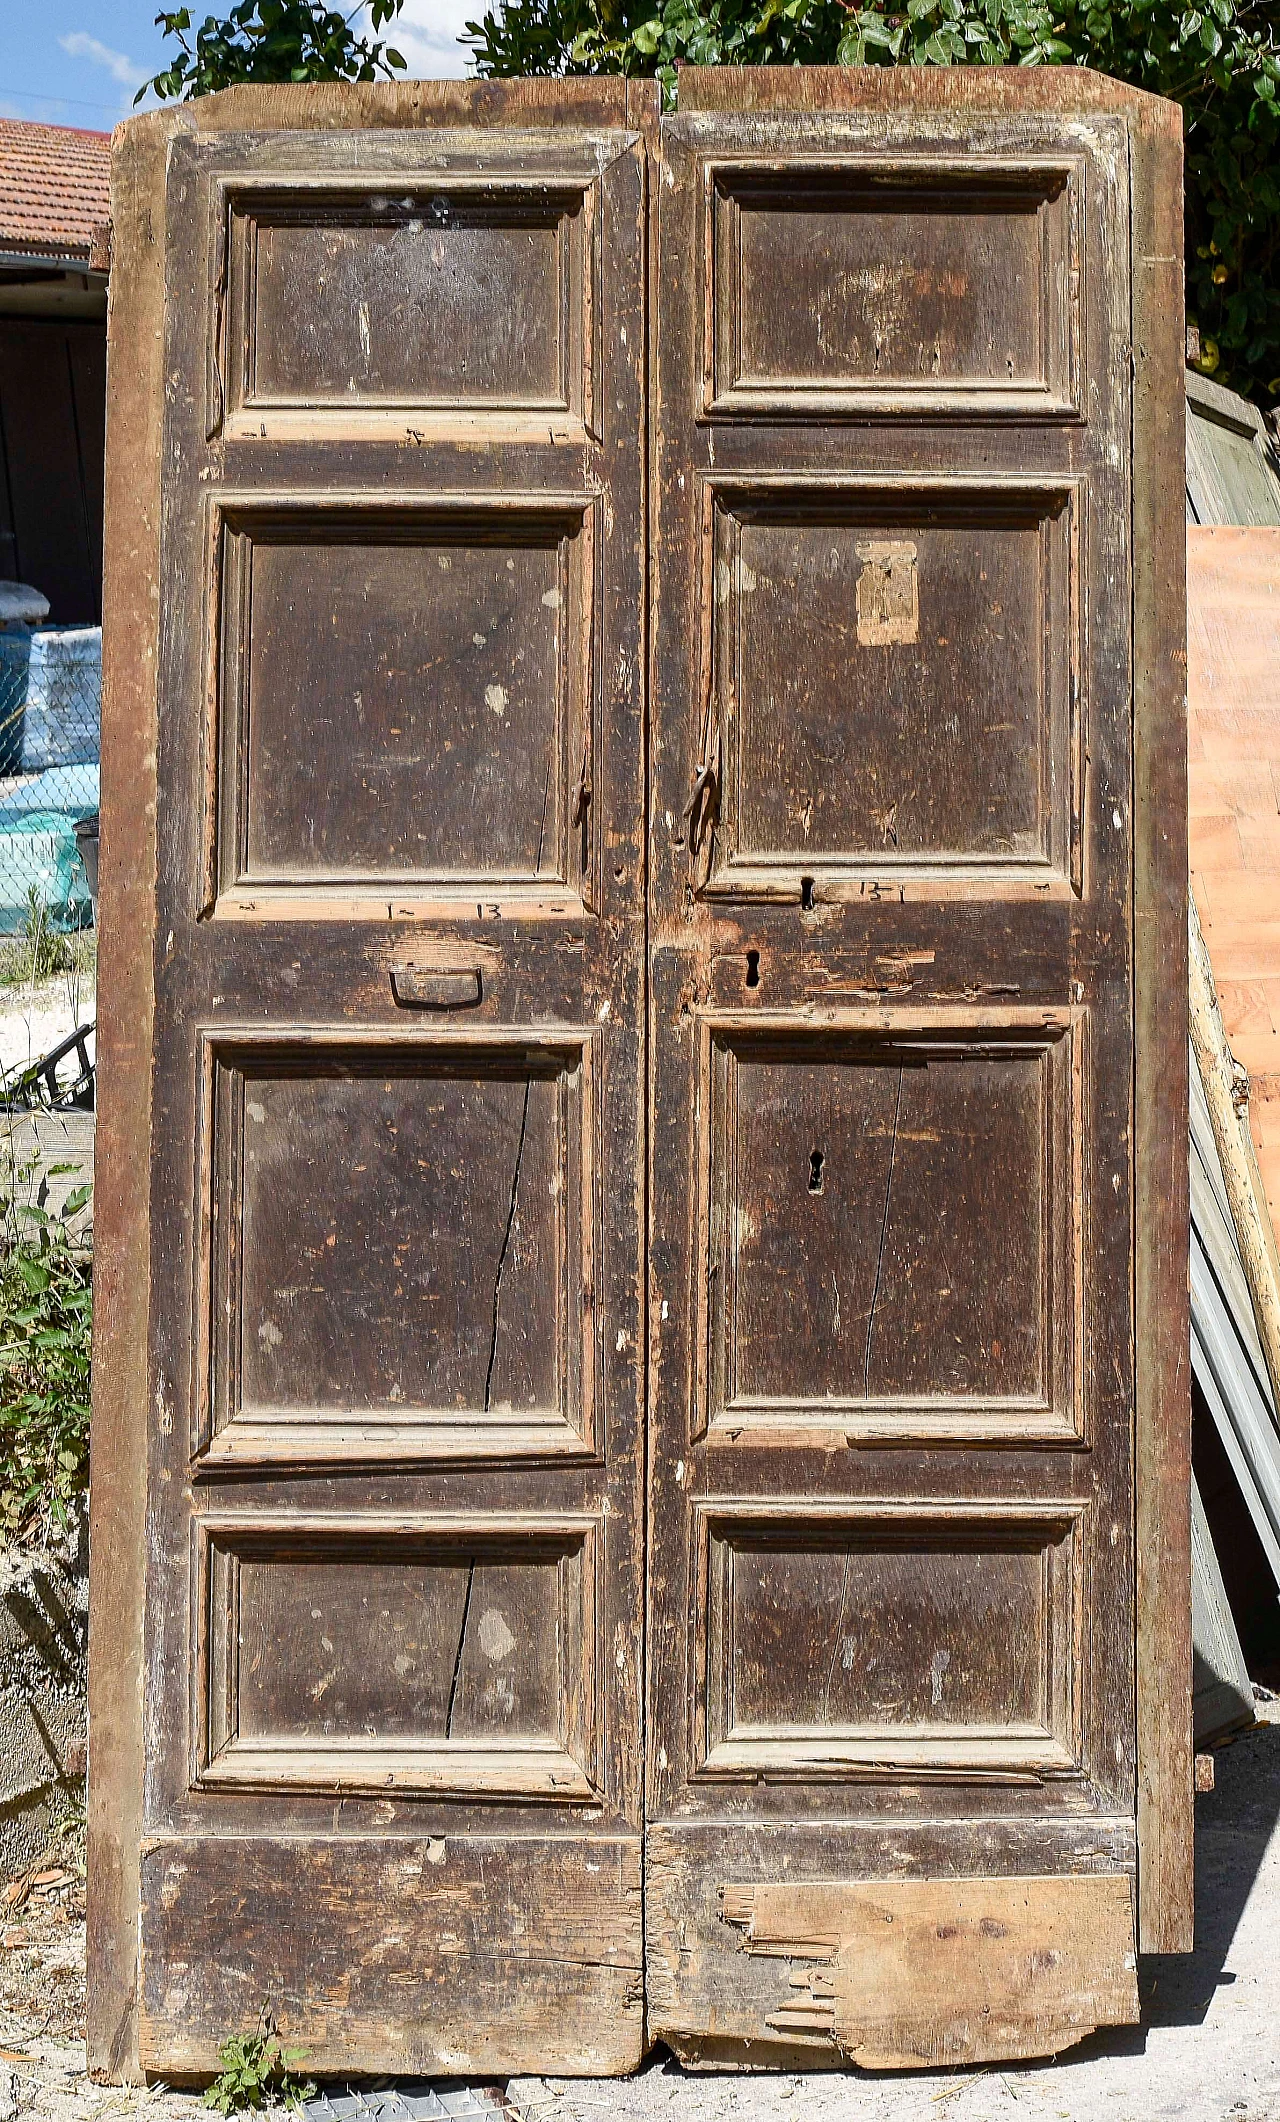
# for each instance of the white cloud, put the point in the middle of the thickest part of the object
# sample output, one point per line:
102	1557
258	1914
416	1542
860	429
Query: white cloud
80	45
427	33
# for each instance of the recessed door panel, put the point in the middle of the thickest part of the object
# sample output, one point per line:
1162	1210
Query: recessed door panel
450	295
889	1241
403	1239
855	633
366	1655
403	696
892	282
861	1642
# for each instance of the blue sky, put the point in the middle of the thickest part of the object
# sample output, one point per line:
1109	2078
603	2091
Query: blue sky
79	62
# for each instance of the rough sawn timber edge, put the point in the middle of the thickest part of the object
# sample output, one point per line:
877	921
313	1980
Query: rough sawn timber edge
935	1972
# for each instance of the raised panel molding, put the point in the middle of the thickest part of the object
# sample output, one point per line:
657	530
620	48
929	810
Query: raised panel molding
430	1193
357	749
806	1165
449	1654
828	299
461	259
852	624
887	1639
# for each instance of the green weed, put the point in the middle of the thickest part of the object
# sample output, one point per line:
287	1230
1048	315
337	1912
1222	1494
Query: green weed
257	2072
46	1319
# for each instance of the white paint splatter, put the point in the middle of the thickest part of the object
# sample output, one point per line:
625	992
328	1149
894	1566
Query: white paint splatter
496	1639
495	696
941	1660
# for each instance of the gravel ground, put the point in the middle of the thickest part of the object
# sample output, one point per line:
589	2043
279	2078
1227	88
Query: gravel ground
1208	2049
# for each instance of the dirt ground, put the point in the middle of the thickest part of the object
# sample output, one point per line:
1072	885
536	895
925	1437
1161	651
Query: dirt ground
34	1018
1208	2049
42	2060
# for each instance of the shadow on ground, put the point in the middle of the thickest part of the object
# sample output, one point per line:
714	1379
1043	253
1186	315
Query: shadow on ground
1235	1823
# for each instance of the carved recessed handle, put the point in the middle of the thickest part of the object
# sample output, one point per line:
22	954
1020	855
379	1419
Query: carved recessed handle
436	987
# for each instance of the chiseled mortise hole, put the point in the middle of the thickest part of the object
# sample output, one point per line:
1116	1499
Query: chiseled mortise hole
934	1630
407	300
927	1271
753	968
841	278
404	1240
884	660
404	701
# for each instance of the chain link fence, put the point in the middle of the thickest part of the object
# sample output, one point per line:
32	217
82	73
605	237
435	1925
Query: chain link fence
50	723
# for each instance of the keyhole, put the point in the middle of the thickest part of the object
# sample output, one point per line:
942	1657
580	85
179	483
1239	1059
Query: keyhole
753	968
816	1164
806	894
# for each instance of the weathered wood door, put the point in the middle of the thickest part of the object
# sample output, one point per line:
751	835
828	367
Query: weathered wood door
891	1808
393	1636
418	393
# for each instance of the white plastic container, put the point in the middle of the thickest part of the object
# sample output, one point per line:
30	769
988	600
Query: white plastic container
63	720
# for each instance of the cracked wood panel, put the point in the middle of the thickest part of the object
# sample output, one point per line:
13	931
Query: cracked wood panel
891	1572
394	1575
361	1654
410	1228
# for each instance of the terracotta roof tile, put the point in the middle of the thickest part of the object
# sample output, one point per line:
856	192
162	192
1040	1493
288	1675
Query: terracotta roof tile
53	189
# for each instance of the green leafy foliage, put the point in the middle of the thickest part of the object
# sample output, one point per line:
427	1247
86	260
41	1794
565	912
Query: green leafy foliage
257	2072
46	1319
272	40
1219	59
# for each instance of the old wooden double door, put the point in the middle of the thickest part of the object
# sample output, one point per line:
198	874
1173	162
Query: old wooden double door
640	1450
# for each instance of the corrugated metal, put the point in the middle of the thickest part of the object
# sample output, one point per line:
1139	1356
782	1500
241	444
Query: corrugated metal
1222	1695
1233	471
1226	1354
